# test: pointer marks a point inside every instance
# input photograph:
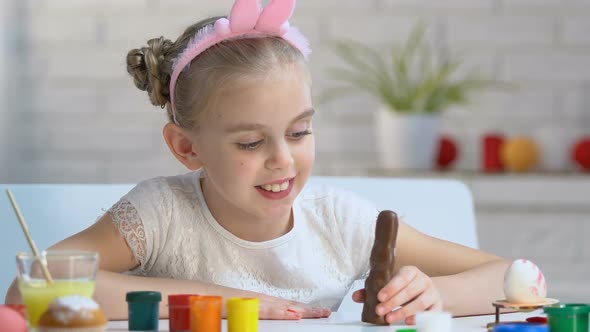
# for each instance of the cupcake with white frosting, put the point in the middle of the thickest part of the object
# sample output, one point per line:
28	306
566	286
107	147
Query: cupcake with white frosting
73	314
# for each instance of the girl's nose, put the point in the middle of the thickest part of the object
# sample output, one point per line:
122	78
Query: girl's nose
280	156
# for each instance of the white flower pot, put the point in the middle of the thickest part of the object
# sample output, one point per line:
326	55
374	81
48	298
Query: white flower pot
407	141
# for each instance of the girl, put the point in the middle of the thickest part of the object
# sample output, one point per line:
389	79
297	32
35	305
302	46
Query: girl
242	222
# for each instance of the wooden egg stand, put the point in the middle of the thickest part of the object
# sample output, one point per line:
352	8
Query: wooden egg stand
520	307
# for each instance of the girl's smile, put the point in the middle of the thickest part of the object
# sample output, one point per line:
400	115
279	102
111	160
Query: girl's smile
277	189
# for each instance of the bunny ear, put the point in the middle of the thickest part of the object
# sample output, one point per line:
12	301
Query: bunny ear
275	15
244	15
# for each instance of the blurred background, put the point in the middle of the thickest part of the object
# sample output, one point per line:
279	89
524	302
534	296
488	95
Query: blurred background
71	114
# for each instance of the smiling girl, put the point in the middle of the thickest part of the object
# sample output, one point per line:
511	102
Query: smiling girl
243	222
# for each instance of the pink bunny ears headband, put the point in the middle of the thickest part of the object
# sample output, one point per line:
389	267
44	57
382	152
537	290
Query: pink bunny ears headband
247	20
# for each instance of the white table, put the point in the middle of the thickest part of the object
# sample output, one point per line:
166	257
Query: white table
347	323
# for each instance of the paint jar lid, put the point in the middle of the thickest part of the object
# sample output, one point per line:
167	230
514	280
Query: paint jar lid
180	299
206	303
143	296
243	304
567	309
520	327
438	321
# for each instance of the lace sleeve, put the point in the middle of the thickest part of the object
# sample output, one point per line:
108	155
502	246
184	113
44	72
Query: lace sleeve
127	220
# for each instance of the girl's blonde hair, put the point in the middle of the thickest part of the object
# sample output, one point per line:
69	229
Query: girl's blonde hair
209	74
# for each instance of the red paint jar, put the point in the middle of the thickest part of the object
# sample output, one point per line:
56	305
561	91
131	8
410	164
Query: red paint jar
179	312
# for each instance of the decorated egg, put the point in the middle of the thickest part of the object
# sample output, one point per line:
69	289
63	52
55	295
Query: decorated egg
520	154
524	283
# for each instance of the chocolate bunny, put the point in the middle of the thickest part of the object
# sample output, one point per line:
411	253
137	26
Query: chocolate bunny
382	263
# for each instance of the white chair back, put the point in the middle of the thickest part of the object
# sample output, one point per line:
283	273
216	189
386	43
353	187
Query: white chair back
440	208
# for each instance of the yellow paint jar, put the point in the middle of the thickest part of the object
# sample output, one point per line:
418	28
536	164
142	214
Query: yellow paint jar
242	314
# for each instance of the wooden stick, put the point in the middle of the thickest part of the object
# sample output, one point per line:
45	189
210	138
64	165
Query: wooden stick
23	225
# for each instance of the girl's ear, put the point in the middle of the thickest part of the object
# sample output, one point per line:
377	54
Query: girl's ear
182	146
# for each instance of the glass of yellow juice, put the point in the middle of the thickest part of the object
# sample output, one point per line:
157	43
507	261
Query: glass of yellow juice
72	273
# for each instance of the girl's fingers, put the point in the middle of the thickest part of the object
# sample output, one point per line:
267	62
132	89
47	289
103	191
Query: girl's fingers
405	295
404	276
310	312
421	303
437	306
280	314
359	296
411	320
325	312
274	308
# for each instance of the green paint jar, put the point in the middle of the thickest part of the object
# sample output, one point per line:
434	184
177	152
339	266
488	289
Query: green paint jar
570	317
144	310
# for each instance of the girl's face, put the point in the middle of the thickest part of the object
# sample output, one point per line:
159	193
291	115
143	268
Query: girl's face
257	147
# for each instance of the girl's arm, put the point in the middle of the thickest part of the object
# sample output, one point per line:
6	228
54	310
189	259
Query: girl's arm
472	292
432	274
111	286
467	279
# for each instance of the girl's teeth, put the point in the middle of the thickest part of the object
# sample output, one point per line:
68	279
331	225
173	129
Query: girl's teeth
276	187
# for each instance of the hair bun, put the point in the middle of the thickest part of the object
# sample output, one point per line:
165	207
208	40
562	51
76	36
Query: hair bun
150	68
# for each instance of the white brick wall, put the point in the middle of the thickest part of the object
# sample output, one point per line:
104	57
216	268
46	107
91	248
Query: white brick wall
577	32
4	14
546	7
493	32
78	48
372	29
449	6
555	65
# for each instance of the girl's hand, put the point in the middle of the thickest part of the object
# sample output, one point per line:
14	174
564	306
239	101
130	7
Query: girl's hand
411	289
276	308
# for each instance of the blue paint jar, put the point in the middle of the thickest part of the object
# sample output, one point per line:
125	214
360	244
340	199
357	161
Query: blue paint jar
520	327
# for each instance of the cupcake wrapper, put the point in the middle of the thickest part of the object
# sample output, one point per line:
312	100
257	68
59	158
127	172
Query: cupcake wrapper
101	328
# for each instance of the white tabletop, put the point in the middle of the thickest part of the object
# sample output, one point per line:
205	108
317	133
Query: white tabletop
347	323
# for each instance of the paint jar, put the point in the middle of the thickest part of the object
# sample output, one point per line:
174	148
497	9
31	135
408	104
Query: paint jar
242	314
434	321
206	313
520	327
144	310
570	317
179	312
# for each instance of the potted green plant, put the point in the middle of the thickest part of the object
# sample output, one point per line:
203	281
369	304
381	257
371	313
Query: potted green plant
414	85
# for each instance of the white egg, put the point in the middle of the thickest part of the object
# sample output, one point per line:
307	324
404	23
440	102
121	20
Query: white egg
524	283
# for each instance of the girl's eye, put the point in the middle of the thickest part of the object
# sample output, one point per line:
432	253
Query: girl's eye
300	134
249	146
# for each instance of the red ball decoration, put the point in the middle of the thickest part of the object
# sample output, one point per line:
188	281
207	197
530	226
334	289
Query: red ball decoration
581	153
447	152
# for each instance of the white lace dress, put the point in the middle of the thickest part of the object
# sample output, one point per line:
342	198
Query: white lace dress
172	234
